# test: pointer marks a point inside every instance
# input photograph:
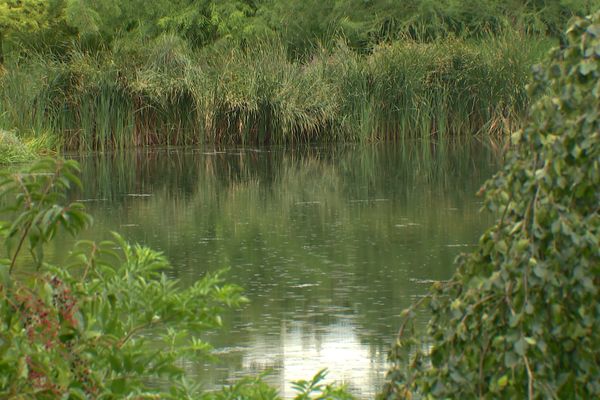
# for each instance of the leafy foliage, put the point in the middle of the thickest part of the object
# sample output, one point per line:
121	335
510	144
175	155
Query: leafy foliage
520	317
83	330
255	388
364	24
314	388
21	15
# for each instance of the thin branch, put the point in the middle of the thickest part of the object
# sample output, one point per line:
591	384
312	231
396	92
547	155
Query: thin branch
530	379
135	330
28	206
13	261
91	263
481	361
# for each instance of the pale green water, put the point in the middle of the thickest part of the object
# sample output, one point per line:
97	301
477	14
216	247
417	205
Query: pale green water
329	243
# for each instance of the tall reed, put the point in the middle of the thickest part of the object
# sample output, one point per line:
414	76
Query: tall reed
161	92
450	87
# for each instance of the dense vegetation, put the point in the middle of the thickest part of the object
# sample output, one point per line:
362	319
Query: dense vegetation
122	73
520	317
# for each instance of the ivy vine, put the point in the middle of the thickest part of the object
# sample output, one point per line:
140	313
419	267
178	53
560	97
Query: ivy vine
520	318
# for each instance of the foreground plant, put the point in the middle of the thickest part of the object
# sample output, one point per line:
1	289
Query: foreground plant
108	324
111	324
520	317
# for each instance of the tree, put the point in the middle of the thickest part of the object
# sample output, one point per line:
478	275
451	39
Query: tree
20	15
203	22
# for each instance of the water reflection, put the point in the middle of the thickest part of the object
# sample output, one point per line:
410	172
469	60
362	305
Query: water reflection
330	243
302	349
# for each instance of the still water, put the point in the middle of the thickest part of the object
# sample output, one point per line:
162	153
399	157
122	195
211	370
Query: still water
330	243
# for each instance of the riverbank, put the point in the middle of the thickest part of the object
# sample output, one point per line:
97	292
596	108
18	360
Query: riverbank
169	94
114	74
17	149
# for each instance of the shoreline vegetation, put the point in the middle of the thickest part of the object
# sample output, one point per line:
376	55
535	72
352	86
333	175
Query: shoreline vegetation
260	72
517	319
175	96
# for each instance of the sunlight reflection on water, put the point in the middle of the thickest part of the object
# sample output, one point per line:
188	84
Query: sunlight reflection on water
301	350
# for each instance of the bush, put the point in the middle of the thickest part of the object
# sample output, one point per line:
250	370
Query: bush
520	317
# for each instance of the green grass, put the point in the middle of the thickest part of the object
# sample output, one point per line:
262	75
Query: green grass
13	150
164	93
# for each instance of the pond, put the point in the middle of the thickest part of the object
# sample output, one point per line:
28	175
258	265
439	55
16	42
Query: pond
329	243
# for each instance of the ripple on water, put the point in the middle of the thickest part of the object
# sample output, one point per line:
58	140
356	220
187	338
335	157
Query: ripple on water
330	245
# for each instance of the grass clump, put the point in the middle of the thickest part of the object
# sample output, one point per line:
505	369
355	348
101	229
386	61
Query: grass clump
440	88
260	96
13	150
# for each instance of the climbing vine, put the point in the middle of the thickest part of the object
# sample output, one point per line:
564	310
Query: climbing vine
521	315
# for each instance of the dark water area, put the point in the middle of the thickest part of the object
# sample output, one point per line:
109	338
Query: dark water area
329	243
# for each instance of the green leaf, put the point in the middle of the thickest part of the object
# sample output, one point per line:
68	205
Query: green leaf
119	386
503	381
510	359
520	346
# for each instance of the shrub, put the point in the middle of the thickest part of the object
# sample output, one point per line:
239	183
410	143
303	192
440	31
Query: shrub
520	317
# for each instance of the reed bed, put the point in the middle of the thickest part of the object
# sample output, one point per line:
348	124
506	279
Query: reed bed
165	93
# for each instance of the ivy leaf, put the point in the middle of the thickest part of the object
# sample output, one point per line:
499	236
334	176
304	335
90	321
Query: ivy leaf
520	346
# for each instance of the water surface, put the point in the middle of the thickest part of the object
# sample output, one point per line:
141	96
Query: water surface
330	243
